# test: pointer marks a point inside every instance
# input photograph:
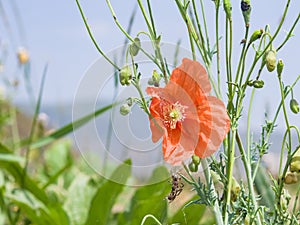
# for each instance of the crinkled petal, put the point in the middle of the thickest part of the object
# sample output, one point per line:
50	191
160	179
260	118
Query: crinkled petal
219	127
195	71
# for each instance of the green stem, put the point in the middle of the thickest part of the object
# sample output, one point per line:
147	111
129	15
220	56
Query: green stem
218	48
92	37
33	126
250	180
216	207
128	35
154	38
205	25
290	33
230	165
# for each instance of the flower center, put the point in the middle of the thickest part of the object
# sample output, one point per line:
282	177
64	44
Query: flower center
174	113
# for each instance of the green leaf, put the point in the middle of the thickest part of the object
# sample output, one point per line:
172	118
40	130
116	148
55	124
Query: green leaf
7	157
65	129
190	215
80	194
57	157
36	211
106	195
15	170
149	199
263	187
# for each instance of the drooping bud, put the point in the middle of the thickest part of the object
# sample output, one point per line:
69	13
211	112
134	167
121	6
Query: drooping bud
193	167
294	106
124	109
255	36
295	162
125	75
279	67
155	79
227	8
258	83
250	83
291	178
246	10
23	56
196	160
135	47
270	60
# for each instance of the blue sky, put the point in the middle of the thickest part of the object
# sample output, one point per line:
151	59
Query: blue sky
54	33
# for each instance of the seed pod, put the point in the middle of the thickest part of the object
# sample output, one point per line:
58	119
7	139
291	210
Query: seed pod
295	162
291	178
255	35
124	109
227	8
135	47
270	60
294	106
246	11
279	67
258	83
125	75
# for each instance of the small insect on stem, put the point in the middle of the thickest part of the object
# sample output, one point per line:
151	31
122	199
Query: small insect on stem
177	187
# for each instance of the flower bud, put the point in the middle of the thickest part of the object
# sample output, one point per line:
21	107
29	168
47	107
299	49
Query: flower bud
193	167
295	162
291	178
196	160
294	106
135	47
124	109
156	78
279	67
258	83
125	75
227	8
246	10
255	36
23	56
250	83
271	60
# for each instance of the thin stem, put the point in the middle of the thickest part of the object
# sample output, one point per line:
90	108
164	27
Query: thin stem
218	214
205	25
290	33
128	35
230	165
92	37
33	126
247	165
154	38
249	125
218	48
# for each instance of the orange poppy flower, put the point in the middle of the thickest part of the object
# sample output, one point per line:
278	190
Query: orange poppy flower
190	121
